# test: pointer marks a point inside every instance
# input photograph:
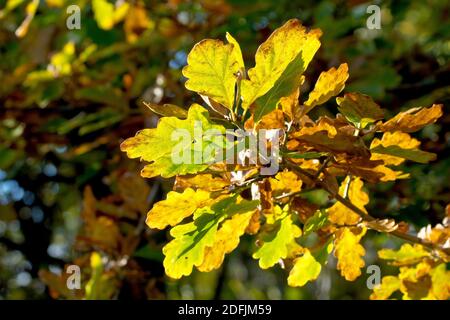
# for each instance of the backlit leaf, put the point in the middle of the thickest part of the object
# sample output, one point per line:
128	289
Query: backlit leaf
339	213
159	145
413	119
386	288
397	138
289	45
305	269
314	223
329	84
408	154
359	109
349	252
275	242
176	207
211	71
405	255
226	240
188	247
167	110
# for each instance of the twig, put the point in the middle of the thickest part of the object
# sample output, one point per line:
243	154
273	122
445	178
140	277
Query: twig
365	216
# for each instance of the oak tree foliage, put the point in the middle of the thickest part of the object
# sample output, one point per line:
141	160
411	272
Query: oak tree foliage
339	154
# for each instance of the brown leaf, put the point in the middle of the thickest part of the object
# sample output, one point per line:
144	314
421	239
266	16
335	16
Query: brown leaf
413	119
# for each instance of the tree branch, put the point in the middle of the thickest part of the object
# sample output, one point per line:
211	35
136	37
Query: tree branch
360	212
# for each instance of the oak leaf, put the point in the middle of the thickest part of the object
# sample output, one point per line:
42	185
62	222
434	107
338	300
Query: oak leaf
349	252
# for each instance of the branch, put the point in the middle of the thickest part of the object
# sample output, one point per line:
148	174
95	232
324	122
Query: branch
360	212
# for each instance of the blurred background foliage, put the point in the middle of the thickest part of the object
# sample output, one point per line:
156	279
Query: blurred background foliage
69	97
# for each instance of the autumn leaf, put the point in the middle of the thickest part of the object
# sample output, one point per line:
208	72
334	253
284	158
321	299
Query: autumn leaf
408	154
158	146
225	241
275	242
413	119
386	288
440	280
359	109
397	138
407	254
211	70
167	110
237	53
205	181
314	223
339	213
290	104
329	84
285	182
176	207
280	61
188	247
349	251
305	269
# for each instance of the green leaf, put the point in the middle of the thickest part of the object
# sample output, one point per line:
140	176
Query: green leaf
289	80
409	154
304	155
314	223
359	109
275	242
187	249
169	155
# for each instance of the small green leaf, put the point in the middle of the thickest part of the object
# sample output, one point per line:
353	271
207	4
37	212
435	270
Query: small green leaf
314	223
359	109
275	242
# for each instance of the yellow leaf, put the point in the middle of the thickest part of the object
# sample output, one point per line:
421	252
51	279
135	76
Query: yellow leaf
306	268
349	252
329	84
225	241
440	279
359	109
416	282
323	124
407	254
272	120
412	120
136	22
285	182
274	56
340	214
290	105
176	207
237	53
397	138
205	181
211	71
386	288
